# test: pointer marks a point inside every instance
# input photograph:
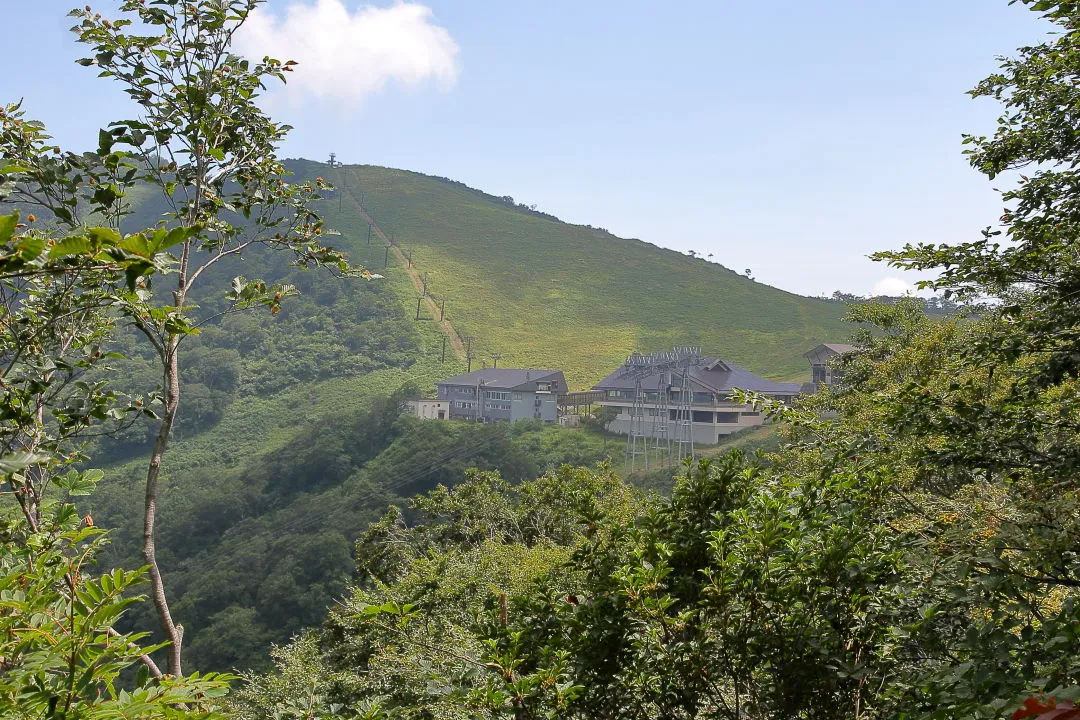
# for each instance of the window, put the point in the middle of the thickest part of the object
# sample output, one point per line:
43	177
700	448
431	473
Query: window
496	395
701	398
727	418
702	416
751	414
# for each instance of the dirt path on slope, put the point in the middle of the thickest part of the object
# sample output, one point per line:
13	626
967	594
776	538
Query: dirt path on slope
456	343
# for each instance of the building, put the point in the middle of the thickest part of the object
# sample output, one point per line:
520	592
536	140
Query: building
429	409
503	394
713	413
822	368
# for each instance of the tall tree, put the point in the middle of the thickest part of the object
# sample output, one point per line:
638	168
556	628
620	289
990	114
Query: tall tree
203	143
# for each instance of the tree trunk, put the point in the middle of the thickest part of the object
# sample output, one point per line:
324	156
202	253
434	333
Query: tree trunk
153	473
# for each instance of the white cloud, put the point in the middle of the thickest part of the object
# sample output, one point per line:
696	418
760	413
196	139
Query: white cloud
892	287
344	56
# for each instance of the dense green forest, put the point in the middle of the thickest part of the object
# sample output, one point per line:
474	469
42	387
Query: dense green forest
206	467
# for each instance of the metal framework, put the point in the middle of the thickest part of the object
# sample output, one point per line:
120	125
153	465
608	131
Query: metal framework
684	422
660	437
637	443
660	446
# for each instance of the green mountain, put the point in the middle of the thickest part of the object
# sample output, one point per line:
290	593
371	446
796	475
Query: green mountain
289	443
544	293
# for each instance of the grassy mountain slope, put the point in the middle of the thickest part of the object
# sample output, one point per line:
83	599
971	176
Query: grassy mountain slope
549	294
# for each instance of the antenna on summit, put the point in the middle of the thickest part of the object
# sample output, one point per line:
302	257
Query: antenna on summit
341	176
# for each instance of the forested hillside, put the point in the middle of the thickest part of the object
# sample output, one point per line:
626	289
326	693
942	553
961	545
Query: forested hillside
208	410
256	539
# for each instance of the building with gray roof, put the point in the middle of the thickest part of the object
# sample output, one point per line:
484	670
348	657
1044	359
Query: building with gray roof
824	370
503	394
713	411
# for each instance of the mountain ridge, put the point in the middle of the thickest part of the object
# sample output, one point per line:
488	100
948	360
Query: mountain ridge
512	275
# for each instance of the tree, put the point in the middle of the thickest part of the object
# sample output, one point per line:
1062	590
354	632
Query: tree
60	653
407	637
203	143
61	656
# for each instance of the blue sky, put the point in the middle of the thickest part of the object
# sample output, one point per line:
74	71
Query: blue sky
787	137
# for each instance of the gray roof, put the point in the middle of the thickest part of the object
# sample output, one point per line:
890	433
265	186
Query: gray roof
508	379
836	348
711	373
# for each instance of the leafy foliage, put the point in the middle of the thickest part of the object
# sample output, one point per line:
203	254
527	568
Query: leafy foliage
60	654
403	640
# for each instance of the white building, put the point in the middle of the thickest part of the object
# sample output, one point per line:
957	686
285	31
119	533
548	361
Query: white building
429	409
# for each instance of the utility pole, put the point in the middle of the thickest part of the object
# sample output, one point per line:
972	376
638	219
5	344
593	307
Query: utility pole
442	310
386	258
495	359
468	352
423	281
410	257
418	301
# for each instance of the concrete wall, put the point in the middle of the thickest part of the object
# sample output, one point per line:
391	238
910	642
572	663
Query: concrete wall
524	407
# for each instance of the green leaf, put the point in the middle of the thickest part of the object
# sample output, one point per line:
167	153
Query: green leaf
136	243
105	138
103	237
71	245
172	238
7	226
16	461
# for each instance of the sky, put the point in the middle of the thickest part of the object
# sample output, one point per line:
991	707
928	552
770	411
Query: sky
788	138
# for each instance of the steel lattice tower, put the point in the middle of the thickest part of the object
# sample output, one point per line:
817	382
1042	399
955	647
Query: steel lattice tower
636	441
660	437
684	421
662	445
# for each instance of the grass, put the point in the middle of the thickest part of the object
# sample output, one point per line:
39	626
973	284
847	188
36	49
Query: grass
548	294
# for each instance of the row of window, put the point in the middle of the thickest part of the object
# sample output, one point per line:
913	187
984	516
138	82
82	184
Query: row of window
704	416
496	395
496	406
652	396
